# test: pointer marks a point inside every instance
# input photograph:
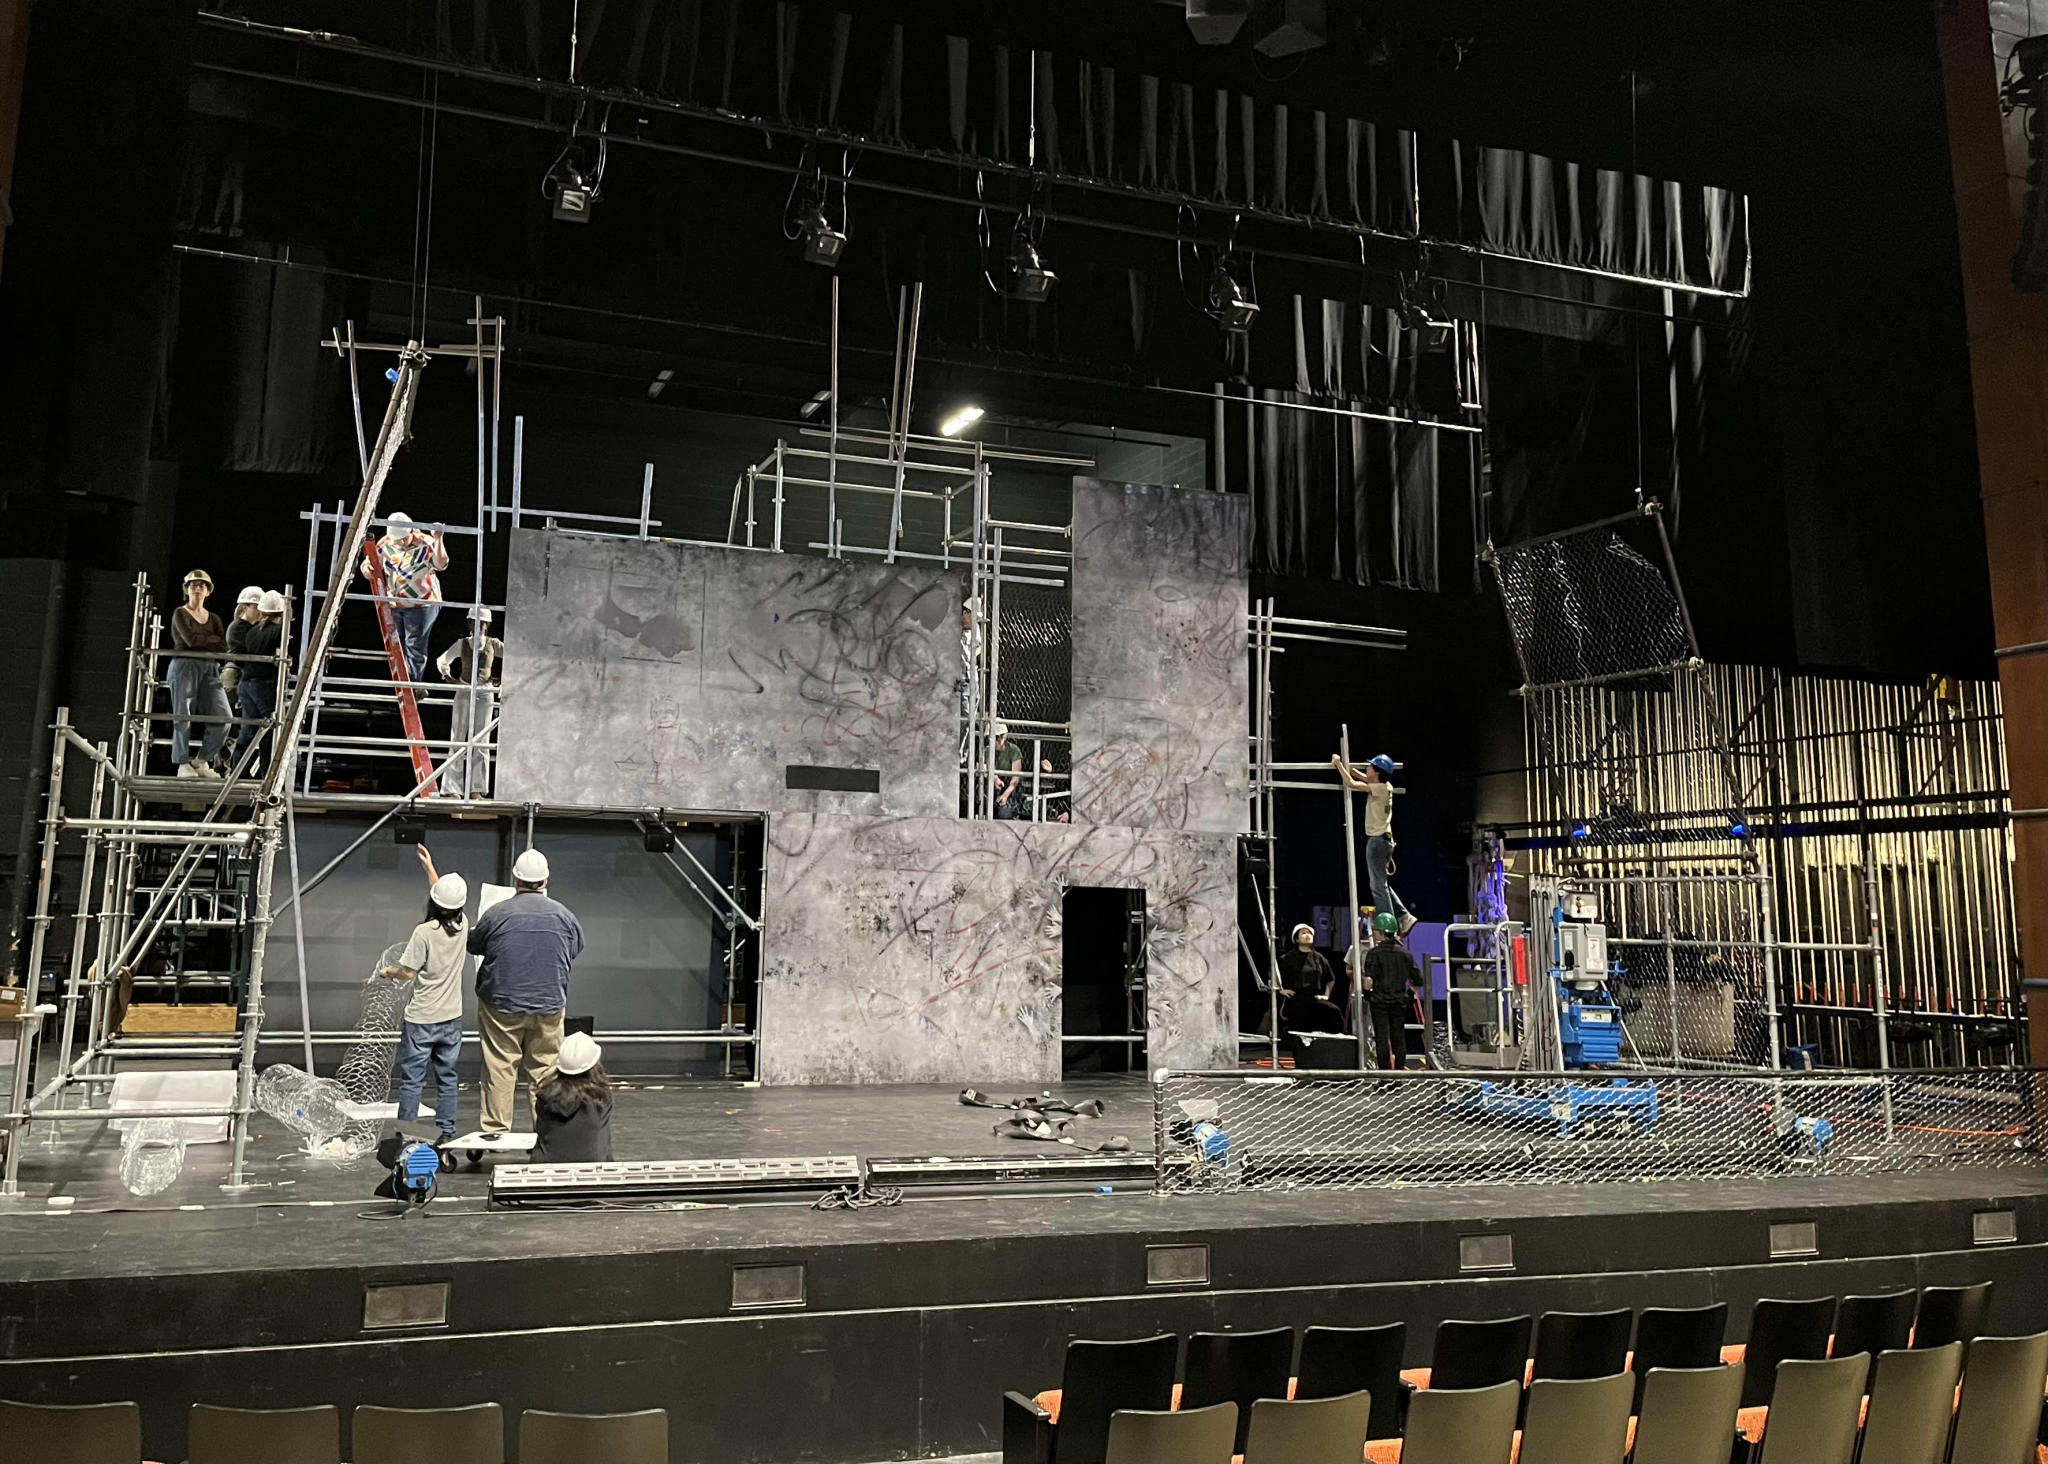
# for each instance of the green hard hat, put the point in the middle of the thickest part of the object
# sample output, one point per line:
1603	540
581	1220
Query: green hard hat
1385	923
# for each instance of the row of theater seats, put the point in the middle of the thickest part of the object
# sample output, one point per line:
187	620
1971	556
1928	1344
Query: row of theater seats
111	1433
1582	1390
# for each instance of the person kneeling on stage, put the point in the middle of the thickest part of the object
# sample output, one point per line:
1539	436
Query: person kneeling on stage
433	1018
572	1112
1391	980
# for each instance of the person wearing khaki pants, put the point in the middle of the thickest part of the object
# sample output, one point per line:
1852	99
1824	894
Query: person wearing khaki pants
527	943
508	1038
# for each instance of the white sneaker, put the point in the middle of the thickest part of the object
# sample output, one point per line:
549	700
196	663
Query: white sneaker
204	770
188	770
1407	923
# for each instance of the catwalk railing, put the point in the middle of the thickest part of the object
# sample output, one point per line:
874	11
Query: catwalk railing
1222	1132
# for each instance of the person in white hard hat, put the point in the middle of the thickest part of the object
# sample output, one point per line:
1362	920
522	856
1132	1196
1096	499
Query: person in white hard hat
476	702
256	691
528	943
432	1034
572	1111
194	673
412	560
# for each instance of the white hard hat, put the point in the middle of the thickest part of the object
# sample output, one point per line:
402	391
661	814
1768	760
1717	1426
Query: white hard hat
272	603
1299	929
450	892
580	1053
1002	729
481	615
251	594
399	521
531	867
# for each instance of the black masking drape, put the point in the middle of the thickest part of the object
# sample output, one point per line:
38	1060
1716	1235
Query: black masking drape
1340	488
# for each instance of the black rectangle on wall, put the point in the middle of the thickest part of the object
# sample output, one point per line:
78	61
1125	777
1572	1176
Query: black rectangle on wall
832	780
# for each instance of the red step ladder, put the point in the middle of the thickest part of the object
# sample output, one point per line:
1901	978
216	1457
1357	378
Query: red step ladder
401	674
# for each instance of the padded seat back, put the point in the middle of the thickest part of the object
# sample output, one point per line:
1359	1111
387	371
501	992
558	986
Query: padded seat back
1308	1430
1815	1409
1185	1436
1687	1415
1340	1360
2001	1408
62	1433
1952	1314
1582	1344
1462	1425
1781	1330
272	1435
583	1438
1578	1420
1102	1377
1673	1337
471	1435
1875	1324
1480	1354
1237	1367
1912	1404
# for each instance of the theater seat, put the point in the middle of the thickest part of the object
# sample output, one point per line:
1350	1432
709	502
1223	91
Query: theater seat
1097	1380
83	1433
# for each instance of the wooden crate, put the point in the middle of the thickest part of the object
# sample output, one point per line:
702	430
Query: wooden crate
156	1017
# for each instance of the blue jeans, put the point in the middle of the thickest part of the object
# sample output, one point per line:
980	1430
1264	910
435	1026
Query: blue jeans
253	699
413	622
195	692
1379	853
419	1044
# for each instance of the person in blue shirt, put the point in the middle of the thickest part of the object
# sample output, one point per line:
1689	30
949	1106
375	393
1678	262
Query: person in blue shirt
528	943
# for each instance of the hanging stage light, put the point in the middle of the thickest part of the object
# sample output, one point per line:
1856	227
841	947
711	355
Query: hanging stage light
1229	306
823	244
959	421
570	193
1030	280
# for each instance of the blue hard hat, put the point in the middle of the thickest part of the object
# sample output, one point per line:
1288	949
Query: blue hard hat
1384	763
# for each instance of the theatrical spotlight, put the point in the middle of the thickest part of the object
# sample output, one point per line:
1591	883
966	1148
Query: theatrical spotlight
656	837
959	420
1581	829
1738	829
1229	306
571	189
1030	280
823	244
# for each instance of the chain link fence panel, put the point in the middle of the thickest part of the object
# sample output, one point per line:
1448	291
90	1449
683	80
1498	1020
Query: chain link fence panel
1590	606
1226	1132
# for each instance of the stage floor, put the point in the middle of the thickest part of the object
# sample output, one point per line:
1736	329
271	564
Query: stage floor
910	1320
298	1207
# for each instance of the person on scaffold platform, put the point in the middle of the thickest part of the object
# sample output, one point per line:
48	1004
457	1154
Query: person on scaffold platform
412	560
1375	781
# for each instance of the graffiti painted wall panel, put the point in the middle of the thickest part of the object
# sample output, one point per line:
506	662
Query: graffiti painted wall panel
643	674
930	949
1160	680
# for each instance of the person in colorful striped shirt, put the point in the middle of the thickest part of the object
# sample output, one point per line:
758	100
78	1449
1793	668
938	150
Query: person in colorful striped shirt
411	559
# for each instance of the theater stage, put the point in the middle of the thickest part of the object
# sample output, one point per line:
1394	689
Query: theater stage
913	1318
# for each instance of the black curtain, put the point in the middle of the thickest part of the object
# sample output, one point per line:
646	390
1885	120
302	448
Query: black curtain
1342	488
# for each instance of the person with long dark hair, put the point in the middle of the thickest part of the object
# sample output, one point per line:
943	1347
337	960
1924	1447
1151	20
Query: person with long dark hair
432	1034
572	1112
